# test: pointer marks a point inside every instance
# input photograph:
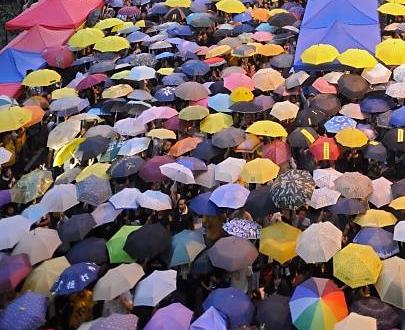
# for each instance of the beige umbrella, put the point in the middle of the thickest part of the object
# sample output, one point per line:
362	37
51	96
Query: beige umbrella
333	77
323	197
354	185
391	283
117	281
396	90
229	170
44	276
356	321
39	244
284	110
353	110
63	133
267	79
319	242
382	194
377	75
207	178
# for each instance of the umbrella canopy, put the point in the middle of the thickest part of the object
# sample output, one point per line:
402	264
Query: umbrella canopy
242	228
381	192
115	246
126	199
267	128
351	138
216	122
76	227
229	170
230	195
13	269
60	198
259	170
183	146
279	318
191	91
177	173
391	51
151	290
210	319
155	200
354	185
357	265
317	303
126	166
93	190
324	148
91	249
323	197
376	218
12	230
174	316
39	78
356	321
319	54
284	110
228	137
186	245
31	186
150	170
394	140
202	205
121	321
381	241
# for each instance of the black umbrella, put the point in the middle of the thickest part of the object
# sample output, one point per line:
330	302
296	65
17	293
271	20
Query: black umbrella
246	107
281	38
89	250
76	227
394	139
353	86
202	264
115	105
259	203
92	147
282	61
376	151
206	151
274	313
228	138
124	167
348	206
101	67
398	188
282	19
302	137
218	88
310	117
93	18
148	242
329	104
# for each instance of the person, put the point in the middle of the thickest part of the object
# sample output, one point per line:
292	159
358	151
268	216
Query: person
301	221
183	218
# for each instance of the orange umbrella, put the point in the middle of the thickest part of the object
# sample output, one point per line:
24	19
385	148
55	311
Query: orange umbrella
184	145
269	50
36	114
260	14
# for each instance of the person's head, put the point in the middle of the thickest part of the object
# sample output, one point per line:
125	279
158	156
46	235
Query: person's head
301	213
182	205
7	172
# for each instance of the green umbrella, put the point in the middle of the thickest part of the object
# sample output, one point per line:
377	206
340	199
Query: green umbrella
116	243
31	186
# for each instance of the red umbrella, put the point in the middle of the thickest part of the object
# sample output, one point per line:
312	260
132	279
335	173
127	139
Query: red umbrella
324	148
278	151
58	57
214	61
129	11
90	81
150	170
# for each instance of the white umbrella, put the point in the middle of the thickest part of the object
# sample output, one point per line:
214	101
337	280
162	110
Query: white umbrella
323	197
102	130
382	194
396	90
155	200
399	73
142	72
377	75
12	230
229	170
63	133
399	231
325	177
117	281
129	127
39	244
134	146
284	110
60	198
5	155
105	213
158	285
333	77
319	242
356	321
178	173
126	199
207	178
353	110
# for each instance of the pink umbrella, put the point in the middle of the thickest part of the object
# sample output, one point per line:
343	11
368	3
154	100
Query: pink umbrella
262	36
129	11
150	170
203	102
235	80
278	151
323	86
154	113
58	56
90	81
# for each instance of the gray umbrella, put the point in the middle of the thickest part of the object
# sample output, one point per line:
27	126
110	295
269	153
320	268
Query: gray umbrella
228	138
101	67
282	61
274	313
124	167
93	190
76	227
144	59
92	147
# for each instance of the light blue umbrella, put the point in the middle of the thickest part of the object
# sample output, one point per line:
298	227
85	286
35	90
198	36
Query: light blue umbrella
231	195
243	17
220	102
186	245
142	72
164	55
137	36
379	239
210	320
337	123
266	27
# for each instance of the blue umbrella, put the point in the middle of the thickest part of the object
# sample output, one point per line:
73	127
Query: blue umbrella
26	312
192	163
158	9
233	303
91	249
195	68
398	117
220	102
243	17
206	151
175	41
266	27
174	79
243	28
164	55
116	321
379	239
230	195
75	278
202	205
137	36
212	319
374	105
186	55
188	46
183	30
165	94
377	151
337	123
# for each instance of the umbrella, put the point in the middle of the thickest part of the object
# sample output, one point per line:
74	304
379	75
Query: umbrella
337	123
147	242
354	185
206	151
398	203
26	312
378	74
235	305
302	137
317	303
117	281
162	134
68	106
323	197
279	241
310	116
242	228
357	58
193	112
93	190
91	80
13	269
183	146
100	130
121	321
202	205
323	86
260	203
216	122
249	145
151	290
76	227
325	177
211	319
98	169
236	80
274	312
292	189
319	54
117	91
353	110
186	245
13	229
349	206
58	56
65	153
39	244
232	253
150	170
43	77
394	140
142	72
85	37
115	245
111	44
195	68
391	51
229	170
324	148
241	94
126	166
267	128
398	117
381	192
328	104
282	19
75	278
91	249
192	163
63	133
174	316
259	170
376	218
379	239
284	110
220	102
230	195
352	86
31	186
296	79
191	91
42	277
60	198
376	150
177	173
126	199
155	200
356	321
357	265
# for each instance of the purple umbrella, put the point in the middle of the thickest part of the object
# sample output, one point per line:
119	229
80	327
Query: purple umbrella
150	170
5	197
27	312
231	195
210	320
202	205
175	316
13	269
192	163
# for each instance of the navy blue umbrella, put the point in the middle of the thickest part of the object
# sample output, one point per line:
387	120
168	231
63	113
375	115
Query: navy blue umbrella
398	117
274	312
260	203
202	205
126	166
165	94
89	250
75	278
376	151
206	151
243	28
398	188
195	68
348	206
374	105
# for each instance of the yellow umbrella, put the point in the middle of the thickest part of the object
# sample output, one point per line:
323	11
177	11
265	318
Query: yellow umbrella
121	75
14	118
216	122
398	203
140	23
231	6
241	94
218	51
98	169
394	9
276	11
376	218
319	54
269	50
165	71
44	77
193	112
161	133
259	170
351	138
44	276
357	58
178	3
357	265
260	14
402	2
111	44
67	152
267	128
117	91
391	51
63	92
279	241
122	26
108	23
85	37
